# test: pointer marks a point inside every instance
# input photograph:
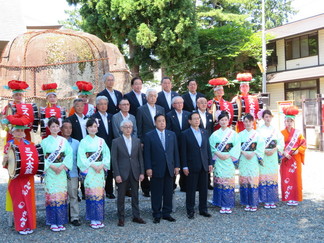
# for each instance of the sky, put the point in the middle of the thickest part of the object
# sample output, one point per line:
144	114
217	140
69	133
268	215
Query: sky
49	12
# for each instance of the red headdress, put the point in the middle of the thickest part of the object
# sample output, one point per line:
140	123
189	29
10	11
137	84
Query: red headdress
244	77
17	86
18	121
218	82
50	88
290	111
84	87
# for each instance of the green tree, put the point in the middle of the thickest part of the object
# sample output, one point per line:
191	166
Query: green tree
157	32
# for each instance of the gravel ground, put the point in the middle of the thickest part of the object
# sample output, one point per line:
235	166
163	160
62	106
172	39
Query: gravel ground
304	223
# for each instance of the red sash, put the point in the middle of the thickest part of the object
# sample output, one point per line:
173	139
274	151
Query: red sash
25	109
251	105
86	108
227	106
52	111
22	193
29	159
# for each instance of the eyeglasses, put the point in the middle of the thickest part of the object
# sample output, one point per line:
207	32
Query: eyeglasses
127	127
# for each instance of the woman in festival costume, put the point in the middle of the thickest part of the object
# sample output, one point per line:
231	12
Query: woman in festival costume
291	165
51	109
252	152
18	88
21	191
274	144
58	160
84	88
93	159
225	148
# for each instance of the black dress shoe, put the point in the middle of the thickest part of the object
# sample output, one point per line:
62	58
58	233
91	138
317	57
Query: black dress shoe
205	214
121	223
79	199
210	187
156	220
169	218
83	197
146	194
139	221
111	196
76	222
191	215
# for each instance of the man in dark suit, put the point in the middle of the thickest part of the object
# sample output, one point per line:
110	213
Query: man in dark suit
136	98
190	98
113	96
196	162
177	121
206	122
161	161
145	123
128	165
166	95
105	131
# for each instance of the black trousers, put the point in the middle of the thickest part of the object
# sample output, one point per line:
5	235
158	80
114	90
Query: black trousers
161	195
197	180
145	184
109	187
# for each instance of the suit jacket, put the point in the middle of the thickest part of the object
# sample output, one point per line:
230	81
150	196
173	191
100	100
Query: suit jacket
134	104
112	108
158	159
161	100
123	162
209	124
193	156
188	105
76	128
117	119
144	120
102	130
174	125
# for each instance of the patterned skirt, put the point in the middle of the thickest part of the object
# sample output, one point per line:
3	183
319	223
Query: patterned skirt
268	188
95	203
249	190
224	194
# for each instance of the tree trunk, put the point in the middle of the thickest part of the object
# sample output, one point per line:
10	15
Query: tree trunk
135	67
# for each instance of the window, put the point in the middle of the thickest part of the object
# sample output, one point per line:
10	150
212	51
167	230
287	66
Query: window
302	46
272	59
298	91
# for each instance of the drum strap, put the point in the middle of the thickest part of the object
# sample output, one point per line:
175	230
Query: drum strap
96	155
248	142
222	145
53	156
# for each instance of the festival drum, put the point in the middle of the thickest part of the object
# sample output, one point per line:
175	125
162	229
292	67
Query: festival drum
44	118
230	107
27	109
26	159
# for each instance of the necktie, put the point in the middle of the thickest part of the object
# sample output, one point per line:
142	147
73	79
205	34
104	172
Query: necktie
163	140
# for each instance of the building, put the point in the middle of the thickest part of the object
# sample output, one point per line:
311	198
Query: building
295	67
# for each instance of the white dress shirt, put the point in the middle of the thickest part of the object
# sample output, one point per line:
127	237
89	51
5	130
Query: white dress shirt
139	98
112	96
82	122
162	137
203	117
179	115
124	117
128	142
152	111
168	98
193	98
105	121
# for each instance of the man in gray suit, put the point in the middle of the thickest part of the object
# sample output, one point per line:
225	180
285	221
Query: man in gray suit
123	114
128	167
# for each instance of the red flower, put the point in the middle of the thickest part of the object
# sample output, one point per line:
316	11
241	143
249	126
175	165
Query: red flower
245	77
84	85
18	120
290	110
218	81
17	85
50	86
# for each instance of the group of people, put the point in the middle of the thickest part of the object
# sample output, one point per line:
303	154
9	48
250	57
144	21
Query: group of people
149	139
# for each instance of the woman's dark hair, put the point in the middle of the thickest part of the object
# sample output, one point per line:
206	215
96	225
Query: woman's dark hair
222	115
133	80
249	117
266	112
52	120
90	122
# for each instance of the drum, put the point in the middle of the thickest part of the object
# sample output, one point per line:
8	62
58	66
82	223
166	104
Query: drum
44	120
230	107
236	113
34	111
34	164
255	104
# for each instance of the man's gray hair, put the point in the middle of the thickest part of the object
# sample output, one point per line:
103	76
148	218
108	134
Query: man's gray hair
106	76
150	91
101	98
176	97
126	121
77	101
